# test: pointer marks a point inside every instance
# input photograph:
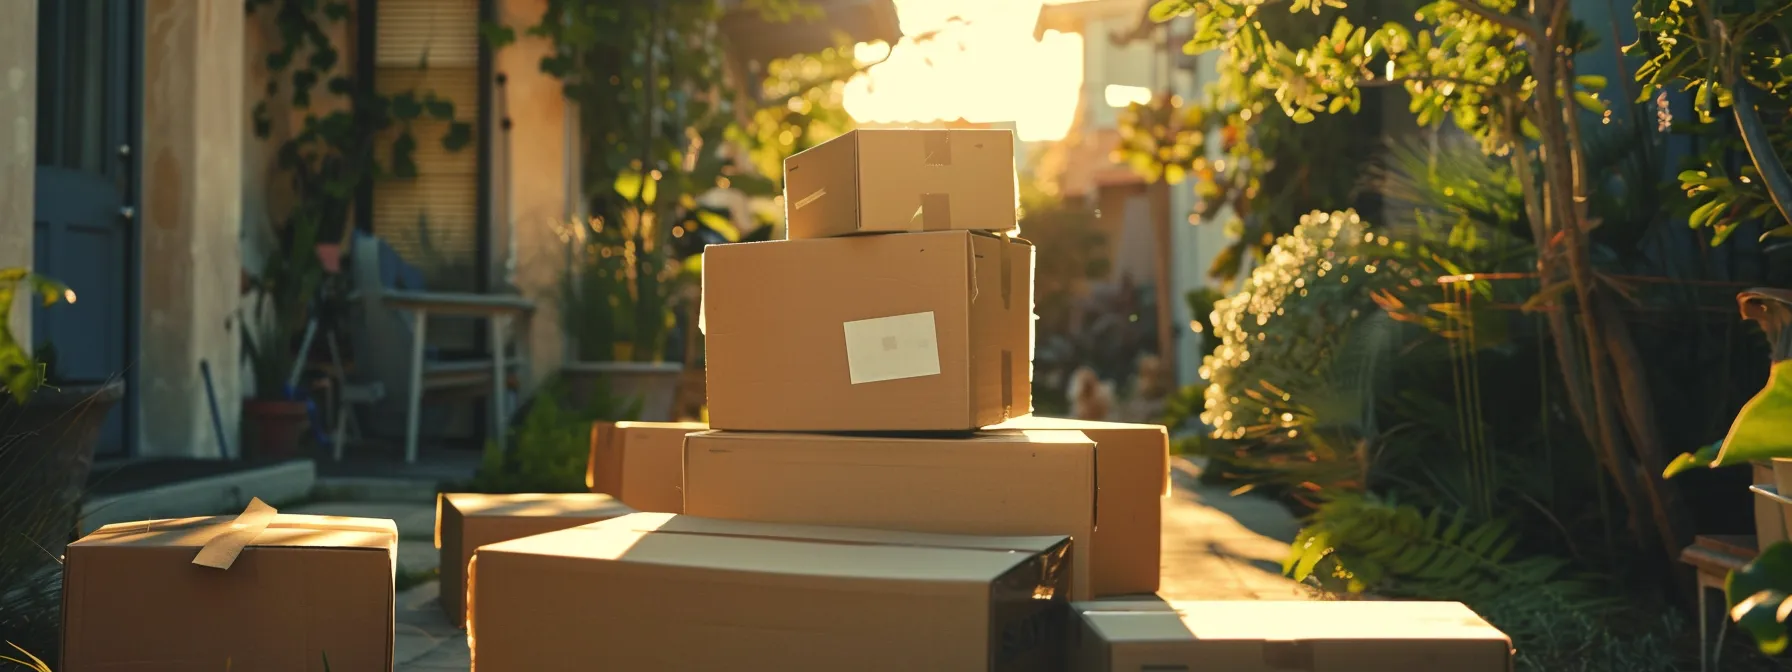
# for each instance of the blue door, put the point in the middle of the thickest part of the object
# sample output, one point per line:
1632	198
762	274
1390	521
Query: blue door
87	93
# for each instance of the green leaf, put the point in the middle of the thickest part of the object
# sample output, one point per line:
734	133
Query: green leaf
1775	232
1758	592
715	221
406	107
441	109
404	150
459	135
1702	215
1703	457
1594	82
1164	10
497	36
1761	429
1590	101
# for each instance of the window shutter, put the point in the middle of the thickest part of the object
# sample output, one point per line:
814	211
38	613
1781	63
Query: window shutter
426	46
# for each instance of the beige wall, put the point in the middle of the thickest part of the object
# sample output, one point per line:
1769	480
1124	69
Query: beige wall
192	205
538	186
18	150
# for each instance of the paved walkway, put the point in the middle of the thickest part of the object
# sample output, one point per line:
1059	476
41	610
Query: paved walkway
1216	547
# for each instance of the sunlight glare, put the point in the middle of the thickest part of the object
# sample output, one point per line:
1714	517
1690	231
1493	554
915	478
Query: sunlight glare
983	66
1121	95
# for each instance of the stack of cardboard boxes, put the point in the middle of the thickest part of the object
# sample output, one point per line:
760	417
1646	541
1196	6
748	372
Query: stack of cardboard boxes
871	494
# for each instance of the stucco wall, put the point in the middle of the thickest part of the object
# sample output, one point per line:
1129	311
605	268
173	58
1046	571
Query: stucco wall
192	207
538	186
18	149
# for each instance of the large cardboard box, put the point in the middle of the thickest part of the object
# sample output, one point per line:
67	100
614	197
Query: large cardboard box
1276	636
640	463
465	521
1132	479
894	180
1000	483
923	331
654	591
303	588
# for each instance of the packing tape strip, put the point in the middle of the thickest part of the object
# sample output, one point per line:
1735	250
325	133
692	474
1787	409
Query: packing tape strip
1007	272
936	212
222	550
936	148
1007	382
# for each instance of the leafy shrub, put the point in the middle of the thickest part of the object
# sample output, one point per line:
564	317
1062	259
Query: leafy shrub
550	448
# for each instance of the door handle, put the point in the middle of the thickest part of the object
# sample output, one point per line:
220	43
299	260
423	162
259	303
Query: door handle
127	212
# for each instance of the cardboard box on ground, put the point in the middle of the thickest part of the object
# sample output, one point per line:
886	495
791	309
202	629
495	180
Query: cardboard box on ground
260	591
640	463
467	521
1274	636
654	591
1132	478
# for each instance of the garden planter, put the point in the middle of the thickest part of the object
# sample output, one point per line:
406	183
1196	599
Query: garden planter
654	383
46	453
274	428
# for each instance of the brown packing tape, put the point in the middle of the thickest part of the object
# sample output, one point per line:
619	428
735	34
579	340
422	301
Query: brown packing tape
1008	382
1007	270
221	551
936	212
936	148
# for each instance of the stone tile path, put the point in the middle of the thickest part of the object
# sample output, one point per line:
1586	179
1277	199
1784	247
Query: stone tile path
1216	547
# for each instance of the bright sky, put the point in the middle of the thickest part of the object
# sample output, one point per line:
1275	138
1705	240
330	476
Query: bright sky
986	68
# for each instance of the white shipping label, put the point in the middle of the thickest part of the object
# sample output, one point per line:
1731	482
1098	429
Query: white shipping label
892	348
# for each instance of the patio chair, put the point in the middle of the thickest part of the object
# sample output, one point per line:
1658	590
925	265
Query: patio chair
391	311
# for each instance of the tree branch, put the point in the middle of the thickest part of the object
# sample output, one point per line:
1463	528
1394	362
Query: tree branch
1754	135
1501	19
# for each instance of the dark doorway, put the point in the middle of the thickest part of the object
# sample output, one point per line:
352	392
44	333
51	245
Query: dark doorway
85	209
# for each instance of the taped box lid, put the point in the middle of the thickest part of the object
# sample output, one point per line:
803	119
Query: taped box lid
656	591
1289	636
257	591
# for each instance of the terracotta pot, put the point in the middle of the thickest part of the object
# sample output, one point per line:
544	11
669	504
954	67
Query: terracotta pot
274	428
46	453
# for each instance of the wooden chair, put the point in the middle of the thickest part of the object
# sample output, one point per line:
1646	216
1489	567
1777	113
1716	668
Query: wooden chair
391	314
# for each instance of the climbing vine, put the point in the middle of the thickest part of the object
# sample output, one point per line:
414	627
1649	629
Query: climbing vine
334	151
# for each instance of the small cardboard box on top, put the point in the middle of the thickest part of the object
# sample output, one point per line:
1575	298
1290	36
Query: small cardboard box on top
1001	483
640	463
1132	479
902	332
654	591
465	521
1276	636
292	590
901	180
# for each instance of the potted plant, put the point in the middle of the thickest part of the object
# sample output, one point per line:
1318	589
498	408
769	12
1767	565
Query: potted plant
1761	434
48	428
276	418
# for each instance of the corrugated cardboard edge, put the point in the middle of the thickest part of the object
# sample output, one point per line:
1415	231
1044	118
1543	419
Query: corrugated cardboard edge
222	550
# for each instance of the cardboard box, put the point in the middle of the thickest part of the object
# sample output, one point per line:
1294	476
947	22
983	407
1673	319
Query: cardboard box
655	591
922	331
300	589
1132	479
466	521
1277	636
1000	483
902	180
640	463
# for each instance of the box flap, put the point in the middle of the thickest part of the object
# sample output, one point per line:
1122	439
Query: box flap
555	505
1053	436
287	529
680	541
1283	621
